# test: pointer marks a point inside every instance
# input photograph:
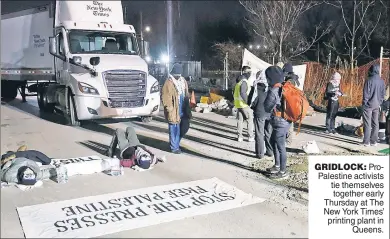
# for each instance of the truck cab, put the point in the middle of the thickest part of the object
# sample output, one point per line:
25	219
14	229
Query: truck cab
91	58
97	64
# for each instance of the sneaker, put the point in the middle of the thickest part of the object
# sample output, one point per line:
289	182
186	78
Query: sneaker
374	144
240	139
334	132
366	145
274	169
251	140
280	175
176	151
327	132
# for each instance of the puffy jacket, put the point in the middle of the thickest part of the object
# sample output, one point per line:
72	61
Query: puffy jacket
374	89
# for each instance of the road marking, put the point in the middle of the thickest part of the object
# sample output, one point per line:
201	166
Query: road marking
110	213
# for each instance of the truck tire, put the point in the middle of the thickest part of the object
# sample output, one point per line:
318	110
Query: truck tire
9	90
146	119
72	113
44	106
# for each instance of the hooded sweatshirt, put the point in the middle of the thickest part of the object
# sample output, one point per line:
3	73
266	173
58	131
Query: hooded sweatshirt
289	74
333	88
274	76
374	89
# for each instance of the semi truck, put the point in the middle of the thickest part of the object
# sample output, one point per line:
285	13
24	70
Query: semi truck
80	59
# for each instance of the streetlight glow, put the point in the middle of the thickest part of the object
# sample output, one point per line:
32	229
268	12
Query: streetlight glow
250	46
258	46
164	58
147	29
148	59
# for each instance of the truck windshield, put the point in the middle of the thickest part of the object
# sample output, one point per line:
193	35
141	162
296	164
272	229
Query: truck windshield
88	42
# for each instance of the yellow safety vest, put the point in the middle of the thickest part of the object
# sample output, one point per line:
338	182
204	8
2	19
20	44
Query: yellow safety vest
239	103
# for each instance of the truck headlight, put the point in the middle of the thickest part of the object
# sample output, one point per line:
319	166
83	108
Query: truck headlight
155	88
87	89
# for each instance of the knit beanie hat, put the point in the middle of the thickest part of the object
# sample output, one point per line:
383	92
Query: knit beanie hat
26	176
274	75
288	68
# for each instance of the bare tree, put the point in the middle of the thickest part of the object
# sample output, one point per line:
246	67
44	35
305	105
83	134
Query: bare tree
234	51
359	24
277	23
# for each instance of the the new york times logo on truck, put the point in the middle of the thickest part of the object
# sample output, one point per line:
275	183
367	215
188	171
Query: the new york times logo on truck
98	9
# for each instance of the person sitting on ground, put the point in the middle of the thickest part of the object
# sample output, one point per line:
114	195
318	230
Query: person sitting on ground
131	152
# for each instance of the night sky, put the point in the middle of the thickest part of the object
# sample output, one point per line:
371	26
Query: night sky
192	13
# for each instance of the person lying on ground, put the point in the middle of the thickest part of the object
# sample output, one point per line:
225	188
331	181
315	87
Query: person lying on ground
22	152
131	152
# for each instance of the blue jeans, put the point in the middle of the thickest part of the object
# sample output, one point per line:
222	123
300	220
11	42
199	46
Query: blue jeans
174	136
278	141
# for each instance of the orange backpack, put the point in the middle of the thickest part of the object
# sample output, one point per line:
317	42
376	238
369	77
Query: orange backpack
294	102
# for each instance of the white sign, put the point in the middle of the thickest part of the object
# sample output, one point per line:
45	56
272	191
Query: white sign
256	64
349	197
300	71
85	165
109	213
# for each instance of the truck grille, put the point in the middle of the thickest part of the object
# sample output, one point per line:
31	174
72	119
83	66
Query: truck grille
126	89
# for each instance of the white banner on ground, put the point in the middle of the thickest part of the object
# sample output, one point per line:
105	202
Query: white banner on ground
349	197
109	213
256	64
81	165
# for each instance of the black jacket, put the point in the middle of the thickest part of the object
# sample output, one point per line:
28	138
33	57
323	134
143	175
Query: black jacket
30	154
258	103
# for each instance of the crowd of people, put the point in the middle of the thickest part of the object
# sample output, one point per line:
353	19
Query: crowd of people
262	105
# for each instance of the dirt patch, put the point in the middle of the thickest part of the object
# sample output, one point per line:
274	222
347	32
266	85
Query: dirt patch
298	166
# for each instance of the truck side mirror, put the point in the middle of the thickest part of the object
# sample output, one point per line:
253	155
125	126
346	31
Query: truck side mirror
53	46
94	61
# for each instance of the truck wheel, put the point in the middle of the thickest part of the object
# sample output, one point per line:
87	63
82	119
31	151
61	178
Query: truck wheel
72	114
44	106
9	90
146	119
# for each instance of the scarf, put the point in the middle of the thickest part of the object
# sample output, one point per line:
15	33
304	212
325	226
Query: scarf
179	85
335	80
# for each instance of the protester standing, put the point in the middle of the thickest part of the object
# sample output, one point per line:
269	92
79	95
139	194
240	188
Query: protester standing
244	112
332	95
290	76
174	93
263	128
273	104
374	92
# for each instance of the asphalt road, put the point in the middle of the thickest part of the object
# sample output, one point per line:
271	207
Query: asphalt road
205	157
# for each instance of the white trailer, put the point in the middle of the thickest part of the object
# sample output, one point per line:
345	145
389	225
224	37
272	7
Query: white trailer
85	61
